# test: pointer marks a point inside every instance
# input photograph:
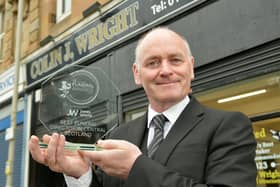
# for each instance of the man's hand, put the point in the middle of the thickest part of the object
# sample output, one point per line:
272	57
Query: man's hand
58	159
116	157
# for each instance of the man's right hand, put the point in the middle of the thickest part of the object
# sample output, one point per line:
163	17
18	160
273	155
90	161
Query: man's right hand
71	163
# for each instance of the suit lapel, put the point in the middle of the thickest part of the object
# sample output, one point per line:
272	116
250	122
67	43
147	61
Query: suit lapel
189	118
136	130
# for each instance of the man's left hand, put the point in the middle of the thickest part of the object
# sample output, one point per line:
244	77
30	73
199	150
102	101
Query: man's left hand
116	157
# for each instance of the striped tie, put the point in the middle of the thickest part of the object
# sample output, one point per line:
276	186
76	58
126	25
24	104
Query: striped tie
158	121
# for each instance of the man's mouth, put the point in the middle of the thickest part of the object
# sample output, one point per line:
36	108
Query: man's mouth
167	82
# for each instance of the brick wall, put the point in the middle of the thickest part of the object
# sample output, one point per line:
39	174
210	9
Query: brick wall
37	24
30	30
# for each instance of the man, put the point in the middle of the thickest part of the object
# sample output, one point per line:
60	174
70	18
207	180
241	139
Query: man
201	146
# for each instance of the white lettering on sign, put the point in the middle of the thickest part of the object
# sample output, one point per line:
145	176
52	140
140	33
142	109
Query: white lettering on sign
6	83
85	42
163	5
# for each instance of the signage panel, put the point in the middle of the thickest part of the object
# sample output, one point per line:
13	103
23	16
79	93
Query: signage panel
7	83
120	23
267	134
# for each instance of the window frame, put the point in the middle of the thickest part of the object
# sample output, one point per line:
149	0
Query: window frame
63	9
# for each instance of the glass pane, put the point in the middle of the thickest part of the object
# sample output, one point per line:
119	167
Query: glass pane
267	134
252	97
255	97
131	115
63	9
80	102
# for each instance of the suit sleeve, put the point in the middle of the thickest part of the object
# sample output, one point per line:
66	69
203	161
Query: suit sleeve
96	178
230	160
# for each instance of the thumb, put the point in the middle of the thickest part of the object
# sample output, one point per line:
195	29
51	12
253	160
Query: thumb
109	144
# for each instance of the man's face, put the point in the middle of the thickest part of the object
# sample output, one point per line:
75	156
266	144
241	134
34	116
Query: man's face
164	69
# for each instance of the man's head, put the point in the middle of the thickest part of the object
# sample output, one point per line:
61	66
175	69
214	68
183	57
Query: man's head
164	67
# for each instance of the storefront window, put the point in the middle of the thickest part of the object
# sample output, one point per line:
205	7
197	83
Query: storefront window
253	97
259	98
267	133
63	9
131	115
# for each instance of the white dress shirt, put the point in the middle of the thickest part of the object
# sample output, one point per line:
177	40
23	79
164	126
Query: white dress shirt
84	180
171	114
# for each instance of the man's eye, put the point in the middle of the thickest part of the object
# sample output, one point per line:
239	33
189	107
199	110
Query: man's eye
153	64
176	61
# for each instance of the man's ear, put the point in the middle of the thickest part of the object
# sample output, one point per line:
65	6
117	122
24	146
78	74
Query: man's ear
136	74
192	68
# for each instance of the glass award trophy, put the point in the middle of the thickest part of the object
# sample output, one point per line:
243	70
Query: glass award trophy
80	102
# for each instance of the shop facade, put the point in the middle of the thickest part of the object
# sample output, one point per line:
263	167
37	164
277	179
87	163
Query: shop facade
237	64
6	93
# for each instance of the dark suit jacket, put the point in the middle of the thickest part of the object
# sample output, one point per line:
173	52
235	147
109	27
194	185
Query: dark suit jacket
205	147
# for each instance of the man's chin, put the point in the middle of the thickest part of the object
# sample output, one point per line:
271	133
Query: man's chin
170	99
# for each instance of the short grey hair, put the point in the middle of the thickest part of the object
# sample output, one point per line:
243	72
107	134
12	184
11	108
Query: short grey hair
138	46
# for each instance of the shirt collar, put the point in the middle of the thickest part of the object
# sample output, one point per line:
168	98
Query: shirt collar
171	113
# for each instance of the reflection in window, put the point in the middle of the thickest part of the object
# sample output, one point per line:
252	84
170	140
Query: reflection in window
259	98
253	97
133	114
267	134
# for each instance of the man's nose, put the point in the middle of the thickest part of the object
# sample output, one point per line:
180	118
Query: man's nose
165	67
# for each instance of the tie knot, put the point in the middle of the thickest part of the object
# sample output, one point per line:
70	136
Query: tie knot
159	121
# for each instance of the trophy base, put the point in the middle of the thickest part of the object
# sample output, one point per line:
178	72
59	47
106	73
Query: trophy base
75	146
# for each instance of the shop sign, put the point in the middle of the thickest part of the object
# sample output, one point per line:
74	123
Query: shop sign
267	156
7	83
114	27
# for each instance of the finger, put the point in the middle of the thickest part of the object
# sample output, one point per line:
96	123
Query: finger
60	150
46	138
111	144
51	151
36	152
93	156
